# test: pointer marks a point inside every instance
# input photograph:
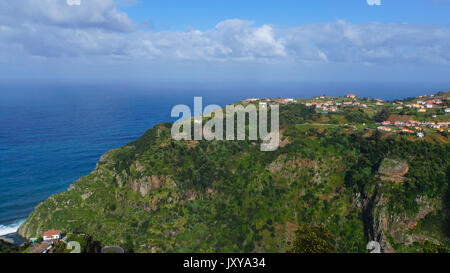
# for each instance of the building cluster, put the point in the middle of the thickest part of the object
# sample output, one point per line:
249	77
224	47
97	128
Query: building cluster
396	123
413	126
422	105
332	105
321	103
263	103
329	106
425	103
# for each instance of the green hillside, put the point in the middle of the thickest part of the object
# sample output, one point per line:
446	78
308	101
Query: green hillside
336	171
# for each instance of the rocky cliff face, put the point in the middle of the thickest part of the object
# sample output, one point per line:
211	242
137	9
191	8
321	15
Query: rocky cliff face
386	227
393	170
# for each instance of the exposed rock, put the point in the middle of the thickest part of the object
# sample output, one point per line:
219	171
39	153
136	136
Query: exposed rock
382	224
276	165
393	170
86	195
121	179
145	184
139	167
296	163
393	167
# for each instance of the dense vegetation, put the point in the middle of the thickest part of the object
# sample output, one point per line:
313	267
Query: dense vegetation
160	195
312	239
7	247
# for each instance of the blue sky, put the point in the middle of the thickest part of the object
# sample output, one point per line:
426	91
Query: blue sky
218	41
204	14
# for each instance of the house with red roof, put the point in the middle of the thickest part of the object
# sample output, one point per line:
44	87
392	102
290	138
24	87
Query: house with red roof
51	235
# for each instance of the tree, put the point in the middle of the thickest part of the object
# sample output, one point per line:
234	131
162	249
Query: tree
382	115
431	247
313	239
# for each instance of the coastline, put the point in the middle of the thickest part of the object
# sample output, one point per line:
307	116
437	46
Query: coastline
13	238
9	229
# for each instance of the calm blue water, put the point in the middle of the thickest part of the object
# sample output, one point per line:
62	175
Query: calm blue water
51	135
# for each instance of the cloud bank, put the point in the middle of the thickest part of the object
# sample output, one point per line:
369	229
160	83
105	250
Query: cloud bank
97	30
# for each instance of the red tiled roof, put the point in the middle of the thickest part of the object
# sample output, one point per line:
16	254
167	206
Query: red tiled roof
52	232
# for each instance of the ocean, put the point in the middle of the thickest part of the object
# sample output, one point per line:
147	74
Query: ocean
51	135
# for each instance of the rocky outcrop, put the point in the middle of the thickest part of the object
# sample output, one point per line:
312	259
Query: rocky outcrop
382	226
393	170
380	223
146	184
282	163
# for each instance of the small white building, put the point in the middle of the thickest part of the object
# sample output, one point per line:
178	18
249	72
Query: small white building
51	235
420	135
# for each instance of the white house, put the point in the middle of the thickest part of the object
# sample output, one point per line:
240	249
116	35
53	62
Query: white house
52	235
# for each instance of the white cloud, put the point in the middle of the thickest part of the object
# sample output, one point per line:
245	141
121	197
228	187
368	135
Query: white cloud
99	14
52	29
374	2
73	2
